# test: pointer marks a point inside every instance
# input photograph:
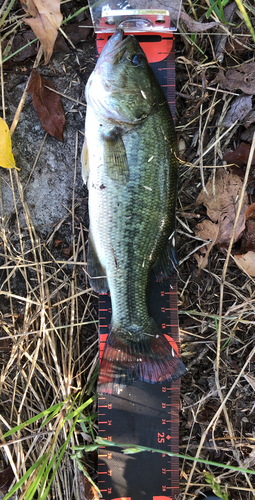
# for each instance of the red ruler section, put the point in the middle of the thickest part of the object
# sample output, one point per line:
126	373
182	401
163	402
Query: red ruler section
143	414
157	46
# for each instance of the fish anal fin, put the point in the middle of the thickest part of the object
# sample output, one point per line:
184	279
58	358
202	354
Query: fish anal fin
115	157
96	272
150	359
167	263
85	161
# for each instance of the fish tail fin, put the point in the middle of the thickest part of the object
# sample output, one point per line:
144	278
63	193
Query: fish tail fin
150	358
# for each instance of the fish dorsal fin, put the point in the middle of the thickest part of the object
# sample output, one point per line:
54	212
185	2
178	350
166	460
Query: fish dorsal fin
85	161
115	157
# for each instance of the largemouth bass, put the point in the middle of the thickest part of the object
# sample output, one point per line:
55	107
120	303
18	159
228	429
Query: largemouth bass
130	169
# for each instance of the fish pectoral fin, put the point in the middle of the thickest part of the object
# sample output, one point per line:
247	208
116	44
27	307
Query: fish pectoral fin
167	263
115	156
85	161
97	274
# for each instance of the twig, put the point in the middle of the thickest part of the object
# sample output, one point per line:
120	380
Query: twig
24	95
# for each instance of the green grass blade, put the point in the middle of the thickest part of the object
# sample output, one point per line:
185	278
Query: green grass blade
83	470
59	452
57	409
88	418
246	18
34	419
47	471
19	50
92	381
215	486
30	494
104	442
26	476
81	408
212	8
5	14
88	447
63	448
192	42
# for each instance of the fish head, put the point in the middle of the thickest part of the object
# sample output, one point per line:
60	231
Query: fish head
122	86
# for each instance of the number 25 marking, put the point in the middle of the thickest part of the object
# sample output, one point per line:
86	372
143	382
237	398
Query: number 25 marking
161	437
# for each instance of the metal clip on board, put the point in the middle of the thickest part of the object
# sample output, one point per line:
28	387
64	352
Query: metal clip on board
142	414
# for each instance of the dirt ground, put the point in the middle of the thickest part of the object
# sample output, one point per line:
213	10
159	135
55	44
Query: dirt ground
44	288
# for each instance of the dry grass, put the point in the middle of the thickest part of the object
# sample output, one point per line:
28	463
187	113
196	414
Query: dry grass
216	304
48	346
48	351
43	358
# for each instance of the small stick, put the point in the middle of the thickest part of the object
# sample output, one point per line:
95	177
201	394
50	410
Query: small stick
2	79
24	95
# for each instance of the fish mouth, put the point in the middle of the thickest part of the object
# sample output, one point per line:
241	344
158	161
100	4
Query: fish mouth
118	36
114	45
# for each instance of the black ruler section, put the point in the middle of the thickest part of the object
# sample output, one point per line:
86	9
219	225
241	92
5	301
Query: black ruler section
143	414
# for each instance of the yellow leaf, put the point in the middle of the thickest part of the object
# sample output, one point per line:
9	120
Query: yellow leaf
6	156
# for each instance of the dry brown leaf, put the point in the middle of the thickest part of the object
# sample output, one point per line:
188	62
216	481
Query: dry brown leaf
249	236
21	40
246	262
75	33
207	230
240	155
202	260
249	119
47	105
67	252
222	209
6	479
86	489
250	213
247	135
249	462
239	40
240	171
238	111
242	78
57	243
252	358
45	21
248	240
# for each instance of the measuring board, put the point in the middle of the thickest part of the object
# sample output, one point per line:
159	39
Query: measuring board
143	414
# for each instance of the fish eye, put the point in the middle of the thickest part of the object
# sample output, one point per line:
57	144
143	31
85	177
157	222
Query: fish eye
137	59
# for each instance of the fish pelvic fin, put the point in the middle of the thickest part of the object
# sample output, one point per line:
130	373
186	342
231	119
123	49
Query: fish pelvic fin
150	359
167	263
